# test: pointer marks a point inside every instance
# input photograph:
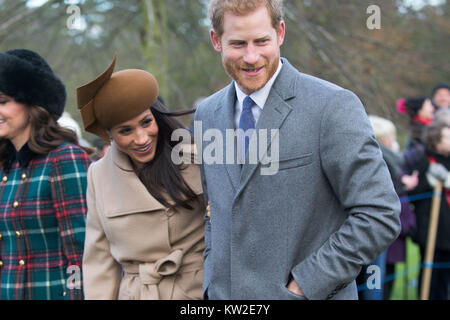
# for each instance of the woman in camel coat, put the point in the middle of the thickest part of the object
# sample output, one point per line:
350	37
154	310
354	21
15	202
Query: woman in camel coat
141	242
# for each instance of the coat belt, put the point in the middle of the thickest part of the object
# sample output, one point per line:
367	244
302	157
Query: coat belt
151	274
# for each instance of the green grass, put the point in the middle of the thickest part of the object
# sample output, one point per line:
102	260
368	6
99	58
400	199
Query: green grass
406	284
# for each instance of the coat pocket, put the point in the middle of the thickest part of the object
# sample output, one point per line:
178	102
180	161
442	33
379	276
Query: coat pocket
291	162
288	295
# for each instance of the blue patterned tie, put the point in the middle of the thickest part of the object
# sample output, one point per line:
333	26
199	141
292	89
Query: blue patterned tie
247	121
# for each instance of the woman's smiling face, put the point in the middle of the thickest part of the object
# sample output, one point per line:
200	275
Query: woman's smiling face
14	121
138	138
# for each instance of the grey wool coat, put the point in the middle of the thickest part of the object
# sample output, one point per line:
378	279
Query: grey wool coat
329	209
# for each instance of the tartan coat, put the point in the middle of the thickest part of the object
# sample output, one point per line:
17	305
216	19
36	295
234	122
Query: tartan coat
42	223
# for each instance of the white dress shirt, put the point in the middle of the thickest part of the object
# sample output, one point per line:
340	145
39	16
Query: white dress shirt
259	97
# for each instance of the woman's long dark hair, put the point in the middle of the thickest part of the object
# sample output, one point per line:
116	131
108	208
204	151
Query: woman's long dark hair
46	133
162	178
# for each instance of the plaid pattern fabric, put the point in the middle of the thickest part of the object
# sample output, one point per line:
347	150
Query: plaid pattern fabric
42	226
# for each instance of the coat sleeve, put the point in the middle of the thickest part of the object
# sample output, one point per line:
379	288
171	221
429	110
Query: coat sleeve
352	162
101	272
68	185
207	219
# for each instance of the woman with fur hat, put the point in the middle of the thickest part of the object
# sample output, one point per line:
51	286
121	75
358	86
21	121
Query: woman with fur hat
43	184
145	227
421	113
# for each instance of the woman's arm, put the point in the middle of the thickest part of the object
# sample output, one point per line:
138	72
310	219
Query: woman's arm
68	186
101	272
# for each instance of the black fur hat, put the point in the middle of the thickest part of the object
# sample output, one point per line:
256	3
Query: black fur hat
26	77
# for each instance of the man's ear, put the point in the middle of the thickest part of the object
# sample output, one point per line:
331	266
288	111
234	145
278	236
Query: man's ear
281	32
215	39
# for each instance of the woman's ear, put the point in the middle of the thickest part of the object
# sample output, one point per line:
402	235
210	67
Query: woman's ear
108	131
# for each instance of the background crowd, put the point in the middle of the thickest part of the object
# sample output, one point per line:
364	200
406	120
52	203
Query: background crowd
415	142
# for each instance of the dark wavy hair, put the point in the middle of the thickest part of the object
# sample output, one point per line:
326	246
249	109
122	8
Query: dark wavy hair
46	133
161	176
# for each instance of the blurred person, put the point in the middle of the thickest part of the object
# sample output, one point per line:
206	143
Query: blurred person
101	147
67	121
386	135
442	115
440	96
304	230
144	233
421	113
43	184
194	107
432	161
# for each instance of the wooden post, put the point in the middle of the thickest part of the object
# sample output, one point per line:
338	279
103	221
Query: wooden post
431	241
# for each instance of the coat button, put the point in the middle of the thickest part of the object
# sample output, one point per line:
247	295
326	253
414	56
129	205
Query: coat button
1	236
15	204
21	263
1	264
24	176
5	179
169	212
18	234
64	294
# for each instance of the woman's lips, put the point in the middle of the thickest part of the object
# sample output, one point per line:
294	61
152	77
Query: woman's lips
144	150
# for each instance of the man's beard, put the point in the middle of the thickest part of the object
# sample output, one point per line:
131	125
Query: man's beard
250	85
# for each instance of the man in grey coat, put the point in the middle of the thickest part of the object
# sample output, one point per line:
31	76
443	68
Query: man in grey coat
324	205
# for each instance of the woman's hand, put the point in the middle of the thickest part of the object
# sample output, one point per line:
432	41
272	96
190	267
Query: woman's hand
411	181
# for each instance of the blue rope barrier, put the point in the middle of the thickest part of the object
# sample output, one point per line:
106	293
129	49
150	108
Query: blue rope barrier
415	197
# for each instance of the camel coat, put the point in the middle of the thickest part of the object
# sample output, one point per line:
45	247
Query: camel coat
135	247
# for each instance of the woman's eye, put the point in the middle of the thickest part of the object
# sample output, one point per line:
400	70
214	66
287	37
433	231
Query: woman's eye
3	101
147	122
124	132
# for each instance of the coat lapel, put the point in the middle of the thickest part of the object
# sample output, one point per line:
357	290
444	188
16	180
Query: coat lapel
128	186
275	111
223	121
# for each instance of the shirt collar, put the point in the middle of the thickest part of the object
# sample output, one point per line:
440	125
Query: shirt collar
23	156
260	96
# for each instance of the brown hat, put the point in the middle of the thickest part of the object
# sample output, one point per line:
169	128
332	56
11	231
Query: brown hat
113	98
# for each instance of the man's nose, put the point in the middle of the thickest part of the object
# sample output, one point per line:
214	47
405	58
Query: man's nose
251	55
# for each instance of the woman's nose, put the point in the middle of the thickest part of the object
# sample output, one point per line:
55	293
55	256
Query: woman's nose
140	137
